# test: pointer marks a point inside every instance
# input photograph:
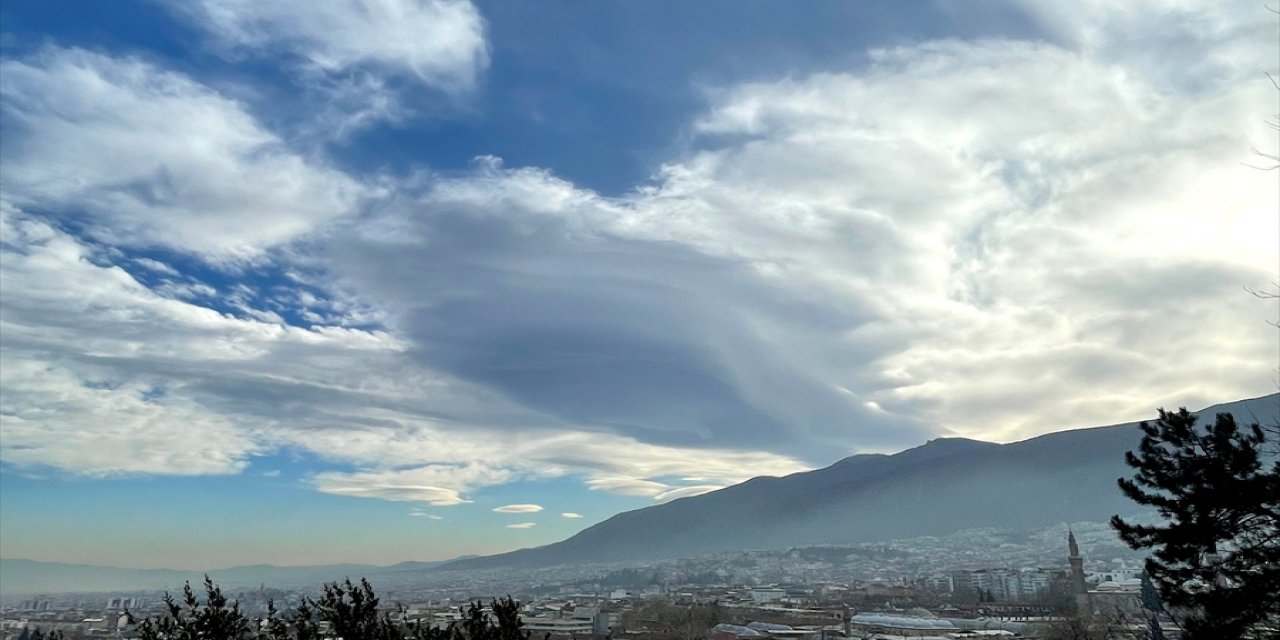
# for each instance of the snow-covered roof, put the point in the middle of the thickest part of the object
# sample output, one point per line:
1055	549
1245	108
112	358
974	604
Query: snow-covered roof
768	626
741	632
900	622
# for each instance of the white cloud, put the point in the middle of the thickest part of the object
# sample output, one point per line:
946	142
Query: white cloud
1036	254
437	485
105	426
508	457
1186	46
440	42
627	486
599	454
102	376
356	486
157	266
153	157
995	238
522	525
253	386
685	492
58	298
519	508
488	456
571	515
418	513
944	238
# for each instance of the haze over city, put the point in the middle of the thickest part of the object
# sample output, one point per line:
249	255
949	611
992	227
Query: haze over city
317	282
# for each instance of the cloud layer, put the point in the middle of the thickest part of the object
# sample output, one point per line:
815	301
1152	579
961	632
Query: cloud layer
519	508
441	42
146	156
988	238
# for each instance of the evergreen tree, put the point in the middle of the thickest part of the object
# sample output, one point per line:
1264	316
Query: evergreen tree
191	620
502	622
303	623
273	627
1215	557
508	625
352	612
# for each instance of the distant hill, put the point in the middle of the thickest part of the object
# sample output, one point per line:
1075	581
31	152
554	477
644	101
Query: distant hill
946	485
28	576
939	488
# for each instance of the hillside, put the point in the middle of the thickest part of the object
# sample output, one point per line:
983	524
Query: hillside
27	576
938	488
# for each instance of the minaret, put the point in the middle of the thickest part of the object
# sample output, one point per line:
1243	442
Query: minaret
1077	573
1077	563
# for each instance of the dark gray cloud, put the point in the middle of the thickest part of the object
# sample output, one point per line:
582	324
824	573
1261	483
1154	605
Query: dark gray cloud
648	339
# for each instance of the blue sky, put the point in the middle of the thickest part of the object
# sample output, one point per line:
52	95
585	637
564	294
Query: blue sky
305	283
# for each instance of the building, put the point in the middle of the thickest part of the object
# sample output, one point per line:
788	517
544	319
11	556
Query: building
901	626
941	583
1077	573
1120	599
765	596
1120	574
560	626
726	631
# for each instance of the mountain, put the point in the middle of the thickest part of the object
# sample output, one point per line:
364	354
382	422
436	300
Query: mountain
941	487
29	576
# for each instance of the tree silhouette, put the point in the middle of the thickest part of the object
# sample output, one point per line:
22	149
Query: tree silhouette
191	620
1215	558
350	610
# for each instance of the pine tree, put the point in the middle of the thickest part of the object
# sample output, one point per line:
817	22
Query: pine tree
1215	557
192	620
351	610
273	627
508	625
353	613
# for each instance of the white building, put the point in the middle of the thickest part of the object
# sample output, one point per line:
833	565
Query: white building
764	596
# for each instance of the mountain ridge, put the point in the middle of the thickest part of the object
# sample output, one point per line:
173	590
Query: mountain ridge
868	497
838	497
23	576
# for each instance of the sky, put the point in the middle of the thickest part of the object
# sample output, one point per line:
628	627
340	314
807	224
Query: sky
387	280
